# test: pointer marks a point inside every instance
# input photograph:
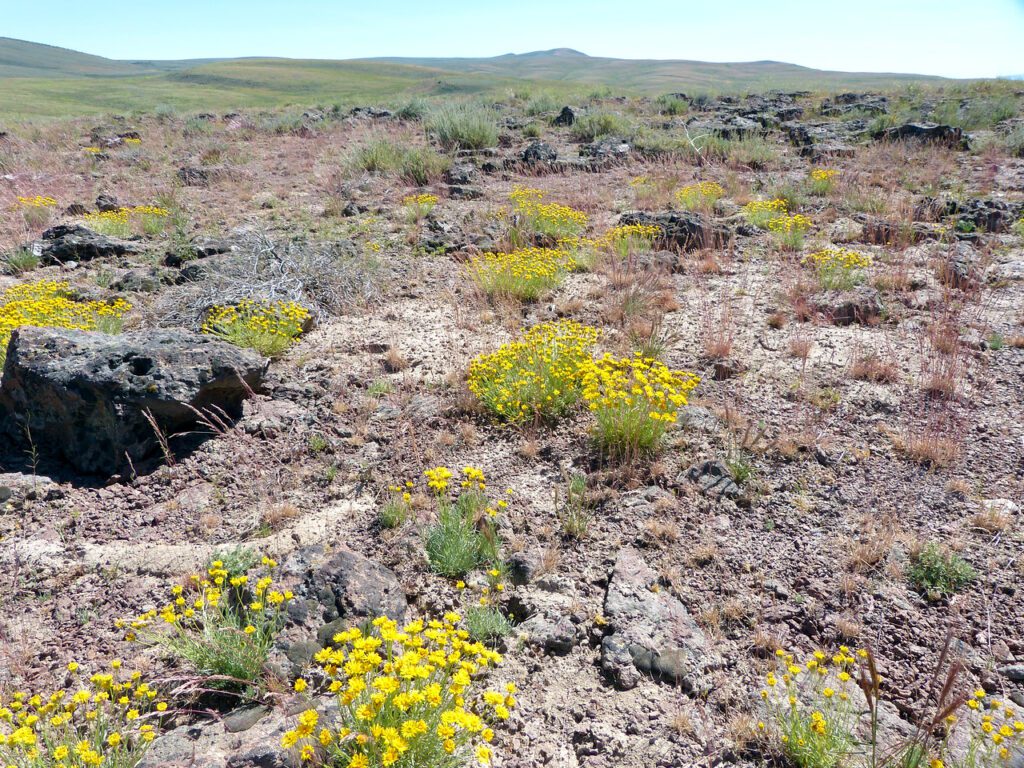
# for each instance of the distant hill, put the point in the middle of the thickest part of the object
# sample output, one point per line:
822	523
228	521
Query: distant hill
19	58
39	80
655	76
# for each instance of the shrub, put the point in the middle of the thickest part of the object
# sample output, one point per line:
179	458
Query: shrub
267	328
36	211
486	623
466	533
48	304
123	222
397	509
985	113
535	220
822	180
405	697
600	124
463	126
760	212
418	207
377	156
525	273
222	625
19	261
537	378
109	721
811	719
634	400
670	104
701	196
414	109
1018	228
575	515
938	572
628	240
808	711
789	230
838	269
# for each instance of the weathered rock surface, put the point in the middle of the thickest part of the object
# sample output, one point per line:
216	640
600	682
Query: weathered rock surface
947	135
73	242
862	305
651	632
85	395
714	479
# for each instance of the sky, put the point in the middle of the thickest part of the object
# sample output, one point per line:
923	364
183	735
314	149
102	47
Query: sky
953	38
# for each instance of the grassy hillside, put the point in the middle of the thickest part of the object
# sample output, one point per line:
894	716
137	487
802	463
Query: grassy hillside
19	58
44	81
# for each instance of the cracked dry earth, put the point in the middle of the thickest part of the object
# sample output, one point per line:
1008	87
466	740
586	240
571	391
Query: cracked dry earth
811	550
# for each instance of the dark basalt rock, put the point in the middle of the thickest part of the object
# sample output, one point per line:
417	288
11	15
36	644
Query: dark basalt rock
932	133
85	395
73	242
682	230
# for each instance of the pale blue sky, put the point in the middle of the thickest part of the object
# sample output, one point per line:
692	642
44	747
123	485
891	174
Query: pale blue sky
956	38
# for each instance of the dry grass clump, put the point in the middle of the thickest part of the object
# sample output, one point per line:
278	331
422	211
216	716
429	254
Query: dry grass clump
327	279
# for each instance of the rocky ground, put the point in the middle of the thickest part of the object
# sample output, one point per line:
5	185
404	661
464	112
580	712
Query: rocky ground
833	434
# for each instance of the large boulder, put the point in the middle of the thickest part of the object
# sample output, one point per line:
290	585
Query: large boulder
88	397
73	242
682	230
651	632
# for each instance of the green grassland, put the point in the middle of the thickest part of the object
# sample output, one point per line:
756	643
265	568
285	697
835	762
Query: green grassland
38	81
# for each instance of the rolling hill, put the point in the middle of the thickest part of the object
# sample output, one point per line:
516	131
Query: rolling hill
39	80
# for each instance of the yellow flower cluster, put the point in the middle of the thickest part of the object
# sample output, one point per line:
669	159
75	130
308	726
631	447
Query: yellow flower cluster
423	199
761	212
824	174
406	697
119	222
133	142
786	223
525	273
1000	731
268	328
639	181
223	625
47	304
808	706
841	258
537	378
215	591
634	399
104	721
92	150
628	233
37	202
703	194
536	218
438	479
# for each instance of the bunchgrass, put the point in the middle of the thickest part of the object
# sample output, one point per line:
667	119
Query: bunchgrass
463	126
